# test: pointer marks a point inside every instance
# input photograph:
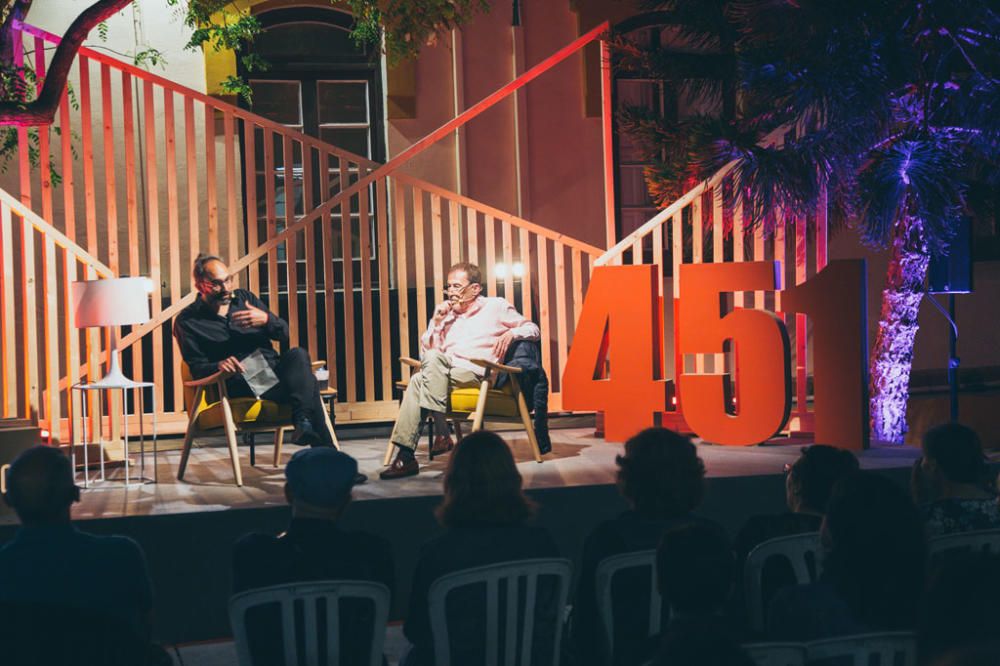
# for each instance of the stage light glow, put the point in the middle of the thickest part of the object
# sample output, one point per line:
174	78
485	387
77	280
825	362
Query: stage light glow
45	434
500	271
518	269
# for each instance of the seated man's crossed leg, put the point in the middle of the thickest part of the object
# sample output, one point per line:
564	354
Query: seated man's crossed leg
428	389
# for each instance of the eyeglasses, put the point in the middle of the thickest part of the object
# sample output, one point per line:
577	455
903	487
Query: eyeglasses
219	284
456	286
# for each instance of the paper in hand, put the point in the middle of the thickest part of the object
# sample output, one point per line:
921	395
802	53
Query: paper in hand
258	374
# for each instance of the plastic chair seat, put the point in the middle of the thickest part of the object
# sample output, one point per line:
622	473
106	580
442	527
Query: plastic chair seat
245	411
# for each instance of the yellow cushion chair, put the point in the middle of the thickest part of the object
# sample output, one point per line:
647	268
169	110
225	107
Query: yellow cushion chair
209	408
479	405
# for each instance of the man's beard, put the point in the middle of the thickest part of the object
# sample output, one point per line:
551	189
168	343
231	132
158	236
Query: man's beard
221	298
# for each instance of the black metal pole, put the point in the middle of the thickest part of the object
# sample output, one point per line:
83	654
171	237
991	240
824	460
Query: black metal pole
952	360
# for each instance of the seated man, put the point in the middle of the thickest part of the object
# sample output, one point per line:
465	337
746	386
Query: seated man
314	547
51	563
224	326
466	326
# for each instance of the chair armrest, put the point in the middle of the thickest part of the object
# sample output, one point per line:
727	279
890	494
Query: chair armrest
412	362
499	367
215	378
316	365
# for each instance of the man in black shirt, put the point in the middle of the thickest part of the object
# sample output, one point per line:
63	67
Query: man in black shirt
225	325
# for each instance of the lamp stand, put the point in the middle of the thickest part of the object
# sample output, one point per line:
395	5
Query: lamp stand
114	378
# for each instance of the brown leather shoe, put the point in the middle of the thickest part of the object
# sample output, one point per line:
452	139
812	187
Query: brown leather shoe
400	468
442	444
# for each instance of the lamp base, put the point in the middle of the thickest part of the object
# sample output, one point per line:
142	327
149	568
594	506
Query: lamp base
114	379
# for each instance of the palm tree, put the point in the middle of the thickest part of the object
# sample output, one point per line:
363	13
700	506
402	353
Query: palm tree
895	110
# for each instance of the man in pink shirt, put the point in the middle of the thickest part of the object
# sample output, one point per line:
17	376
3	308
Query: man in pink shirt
464	327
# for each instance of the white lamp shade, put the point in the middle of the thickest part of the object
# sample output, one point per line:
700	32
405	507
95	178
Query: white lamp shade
111	302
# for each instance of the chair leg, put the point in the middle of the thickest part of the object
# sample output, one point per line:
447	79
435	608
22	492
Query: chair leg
250	440
189	435
529	427
279	439
234	453
457	425
430	439
484	389
329	426
388	454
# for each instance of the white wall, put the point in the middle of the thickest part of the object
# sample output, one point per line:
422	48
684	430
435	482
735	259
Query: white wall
145	24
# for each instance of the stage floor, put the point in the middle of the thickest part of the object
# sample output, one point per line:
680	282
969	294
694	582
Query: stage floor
578	458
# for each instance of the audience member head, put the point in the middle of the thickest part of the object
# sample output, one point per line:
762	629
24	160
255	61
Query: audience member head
810	478
40	486
695	569
318	482
953	463
482	485
875	546
661	474
212	279
960	606
464	284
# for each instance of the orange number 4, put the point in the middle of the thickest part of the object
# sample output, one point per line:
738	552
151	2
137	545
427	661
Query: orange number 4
615	363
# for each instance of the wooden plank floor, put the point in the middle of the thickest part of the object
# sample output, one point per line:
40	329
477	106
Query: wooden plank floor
578	458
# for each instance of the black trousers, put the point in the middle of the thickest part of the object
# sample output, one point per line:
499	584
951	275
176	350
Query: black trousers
296	387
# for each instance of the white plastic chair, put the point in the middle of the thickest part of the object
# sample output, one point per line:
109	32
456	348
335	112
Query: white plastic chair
517	649
776	654
982	541
603	577
892	648
797	549
308	596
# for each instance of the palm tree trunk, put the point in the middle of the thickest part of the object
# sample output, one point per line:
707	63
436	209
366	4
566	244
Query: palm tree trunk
892	355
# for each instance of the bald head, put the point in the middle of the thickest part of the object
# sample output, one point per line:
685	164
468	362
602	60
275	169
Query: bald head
40	486
212	279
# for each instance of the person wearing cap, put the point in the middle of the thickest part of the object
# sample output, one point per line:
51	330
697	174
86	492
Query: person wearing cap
951	484
49	562
465	326
314	547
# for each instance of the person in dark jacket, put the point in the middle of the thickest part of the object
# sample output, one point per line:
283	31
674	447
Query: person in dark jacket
485	515
318	485
224	326
663	480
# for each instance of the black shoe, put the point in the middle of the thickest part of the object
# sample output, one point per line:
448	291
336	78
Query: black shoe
359	478
305	435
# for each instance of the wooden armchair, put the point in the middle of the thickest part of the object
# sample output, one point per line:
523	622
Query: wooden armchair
209	408
505	405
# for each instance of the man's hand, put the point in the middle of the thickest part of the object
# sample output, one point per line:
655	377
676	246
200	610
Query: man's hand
231	366
442	309
250	318
501	345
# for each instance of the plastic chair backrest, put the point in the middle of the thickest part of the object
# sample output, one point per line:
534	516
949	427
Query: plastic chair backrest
800	550
893	648
980	541
603	579
307	597
776	654
508	575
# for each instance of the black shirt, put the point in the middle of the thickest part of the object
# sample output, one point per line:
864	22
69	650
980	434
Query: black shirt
311	550
205	338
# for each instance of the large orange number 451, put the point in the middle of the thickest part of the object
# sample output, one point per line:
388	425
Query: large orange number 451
615	364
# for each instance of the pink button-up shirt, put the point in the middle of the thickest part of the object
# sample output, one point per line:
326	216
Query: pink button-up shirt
473	333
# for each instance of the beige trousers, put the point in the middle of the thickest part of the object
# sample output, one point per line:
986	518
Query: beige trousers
428	389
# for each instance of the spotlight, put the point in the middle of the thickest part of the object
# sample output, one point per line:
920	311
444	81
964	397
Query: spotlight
518	269
500	270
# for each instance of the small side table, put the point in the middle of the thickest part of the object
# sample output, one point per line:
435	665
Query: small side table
125	387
